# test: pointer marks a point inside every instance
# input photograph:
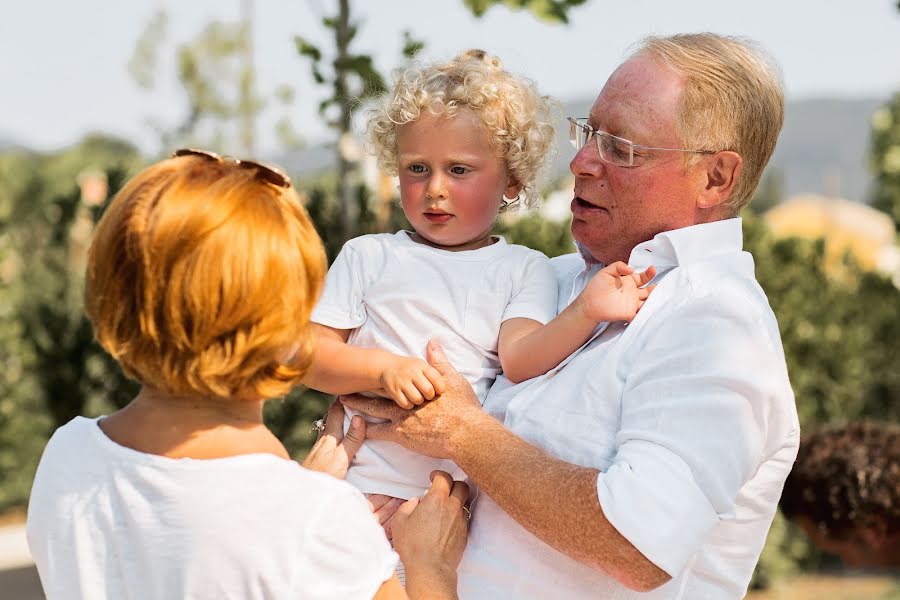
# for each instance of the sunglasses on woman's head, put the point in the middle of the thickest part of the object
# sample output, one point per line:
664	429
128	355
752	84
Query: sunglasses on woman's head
266	173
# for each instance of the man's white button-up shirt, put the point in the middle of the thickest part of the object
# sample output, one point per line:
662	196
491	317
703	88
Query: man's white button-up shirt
688	414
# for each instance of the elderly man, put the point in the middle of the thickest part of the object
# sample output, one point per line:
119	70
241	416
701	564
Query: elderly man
653	457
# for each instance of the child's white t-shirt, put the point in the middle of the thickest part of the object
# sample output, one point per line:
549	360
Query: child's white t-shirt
108	522
396	294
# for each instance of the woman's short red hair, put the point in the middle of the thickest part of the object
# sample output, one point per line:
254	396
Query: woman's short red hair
201	278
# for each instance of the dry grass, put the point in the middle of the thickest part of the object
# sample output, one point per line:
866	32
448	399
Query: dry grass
829	587
15	516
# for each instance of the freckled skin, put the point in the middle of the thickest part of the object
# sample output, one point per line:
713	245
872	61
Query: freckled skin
639	102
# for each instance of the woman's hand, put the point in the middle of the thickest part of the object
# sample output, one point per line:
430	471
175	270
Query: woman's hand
333	450
430	534
384	508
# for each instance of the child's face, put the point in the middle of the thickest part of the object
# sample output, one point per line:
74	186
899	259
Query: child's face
451	180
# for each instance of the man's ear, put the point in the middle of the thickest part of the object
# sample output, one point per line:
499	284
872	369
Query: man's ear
722	172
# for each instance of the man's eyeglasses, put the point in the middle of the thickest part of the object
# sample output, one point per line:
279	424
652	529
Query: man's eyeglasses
613	149
266	173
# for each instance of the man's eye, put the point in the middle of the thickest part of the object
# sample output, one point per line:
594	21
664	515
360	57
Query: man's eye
419	169
615	147
459	170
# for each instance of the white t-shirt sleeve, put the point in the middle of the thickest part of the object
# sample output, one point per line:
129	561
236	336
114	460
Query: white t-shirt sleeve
342	303
535	293
692	431
347	549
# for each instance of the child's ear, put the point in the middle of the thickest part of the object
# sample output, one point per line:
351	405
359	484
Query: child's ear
513	187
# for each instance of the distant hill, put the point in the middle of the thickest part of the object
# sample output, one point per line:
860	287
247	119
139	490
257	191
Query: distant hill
824	147
9	144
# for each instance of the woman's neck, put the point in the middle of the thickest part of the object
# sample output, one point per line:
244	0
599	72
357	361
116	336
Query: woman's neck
191	426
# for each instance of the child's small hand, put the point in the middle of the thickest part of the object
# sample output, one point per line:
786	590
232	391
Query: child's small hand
615	293
410	381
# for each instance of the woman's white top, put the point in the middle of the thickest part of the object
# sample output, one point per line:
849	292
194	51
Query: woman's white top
396	294
108	522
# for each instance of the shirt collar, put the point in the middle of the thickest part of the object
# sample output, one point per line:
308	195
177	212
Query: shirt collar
682	246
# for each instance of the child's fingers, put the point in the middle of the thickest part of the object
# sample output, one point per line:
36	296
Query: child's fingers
424	386
412	393
436	380
400	398
647	275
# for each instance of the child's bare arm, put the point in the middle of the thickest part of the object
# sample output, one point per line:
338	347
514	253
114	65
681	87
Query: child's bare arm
528	349
339	368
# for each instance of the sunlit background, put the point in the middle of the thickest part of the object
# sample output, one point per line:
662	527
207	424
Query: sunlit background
91	91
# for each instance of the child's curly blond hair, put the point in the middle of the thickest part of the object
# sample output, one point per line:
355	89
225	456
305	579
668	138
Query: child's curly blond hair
515	115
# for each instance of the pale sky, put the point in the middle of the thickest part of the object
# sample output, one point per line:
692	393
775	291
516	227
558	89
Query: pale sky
63	64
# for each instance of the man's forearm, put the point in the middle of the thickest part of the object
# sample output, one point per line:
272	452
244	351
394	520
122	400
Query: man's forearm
554	500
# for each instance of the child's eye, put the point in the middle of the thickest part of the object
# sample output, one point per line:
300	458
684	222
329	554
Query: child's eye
459	170
419	169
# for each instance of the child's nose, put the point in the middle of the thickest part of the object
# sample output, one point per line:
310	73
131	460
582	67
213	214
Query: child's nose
437	187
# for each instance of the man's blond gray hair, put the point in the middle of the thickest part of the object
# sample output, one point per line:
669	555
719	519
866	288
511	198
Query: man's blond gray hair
732	99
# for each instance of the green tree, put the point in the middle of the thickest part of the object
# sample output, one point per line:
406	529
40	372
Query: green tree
352	79
839	329
884	158
554	11
50	367
216	72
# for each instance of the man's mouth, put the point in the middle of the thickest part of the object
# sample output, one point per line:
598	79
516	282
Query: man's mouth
582	206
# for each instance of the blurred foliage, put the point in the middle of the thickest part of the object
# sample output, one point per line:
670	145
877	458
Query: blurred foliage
351	80
216	73
530	229
554	11
840	334
53	370
884	158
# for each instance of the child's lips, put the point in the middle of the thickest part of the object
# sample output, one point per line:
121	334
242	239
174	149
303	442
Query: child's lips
437	217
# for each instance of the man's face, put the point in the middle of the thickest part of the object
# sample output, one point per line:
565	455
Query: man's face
616	208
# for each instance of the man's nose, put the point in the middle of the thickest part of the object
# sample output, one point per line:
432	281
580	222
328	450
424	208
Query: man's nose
586	162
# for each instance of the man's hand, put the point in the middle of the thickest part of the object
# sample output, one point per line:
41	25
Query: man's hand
429	428
333	451
615	293
411	381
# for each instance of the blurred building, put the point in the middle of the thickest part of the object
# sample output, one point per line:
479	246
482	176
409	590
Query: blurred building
867	234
